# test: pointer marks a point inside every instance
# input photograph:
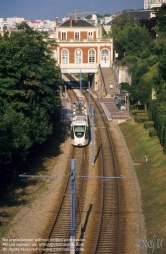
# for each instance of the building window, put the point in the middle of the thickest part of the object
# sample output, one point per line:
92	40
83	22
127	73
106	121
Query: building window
78	56
63	36
77	36
91	56
104	55
90	35
65	56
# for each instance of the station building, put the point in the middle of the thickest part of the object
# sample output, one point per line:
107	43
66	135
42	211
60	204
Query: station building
81	48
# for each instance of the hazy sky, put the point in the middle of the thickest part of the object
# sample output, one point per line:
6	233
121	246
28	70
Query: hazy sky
49	9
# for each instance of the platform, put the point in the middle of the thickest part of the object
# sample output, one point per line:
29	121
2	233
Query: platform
66	110
112	112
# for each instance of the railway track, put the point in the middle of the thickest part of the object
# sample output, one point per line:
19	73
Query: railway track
58	229
108	232
105	231
104	225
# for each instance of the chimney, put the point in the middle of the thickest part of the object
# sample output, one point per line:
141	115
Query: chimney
56	21
70	21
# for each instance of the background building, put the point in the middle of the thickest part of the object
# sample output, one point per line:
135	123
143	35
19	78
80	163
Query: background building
148	3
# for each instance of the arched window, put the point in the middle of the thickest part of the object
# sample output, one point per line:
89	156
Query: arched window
91	56
105	61
104	53
78	56
65	56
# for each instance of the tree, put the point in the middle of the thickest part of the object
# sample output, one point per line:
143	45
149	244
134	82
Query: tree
29	93
130	38
160	28
149	24
162	63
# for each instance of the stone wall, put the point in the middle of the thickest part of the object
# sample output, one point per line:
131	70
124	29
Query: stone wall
121	74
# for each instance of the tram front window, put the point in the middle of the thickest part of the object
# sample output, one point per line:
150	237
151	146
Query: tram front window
79	131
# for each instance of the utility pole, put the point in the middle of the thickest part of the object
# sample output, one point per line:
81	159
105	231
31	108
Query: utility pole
80	82
89	98
73	207
92	131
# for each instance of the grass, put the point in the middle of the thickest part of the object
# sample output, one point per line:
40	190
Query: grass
84	76
151	177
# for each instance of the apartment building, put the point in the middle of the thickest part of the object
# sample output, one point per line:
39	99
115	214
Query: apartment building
14	20
148	3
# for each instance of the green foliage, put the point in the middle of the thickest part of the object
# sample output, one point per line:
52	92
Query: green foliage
150	25
138	71
124	85
161	96
138	112
29	93
152	133
161	21
162	65
133	107
152	60
141	119
148	124
131	39
129	60
144	79
145	57
14	135
157	113
145	85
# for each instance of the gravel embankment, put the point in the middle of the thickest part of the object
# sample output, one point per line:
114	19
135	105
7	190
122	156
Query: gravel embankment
31	222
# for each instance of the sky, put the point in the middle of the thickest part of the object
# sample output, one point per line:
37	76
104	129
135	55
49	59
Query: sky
50	9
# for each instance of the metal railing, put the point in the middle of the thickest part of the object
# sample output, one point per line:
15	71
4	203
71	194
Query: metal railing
102	80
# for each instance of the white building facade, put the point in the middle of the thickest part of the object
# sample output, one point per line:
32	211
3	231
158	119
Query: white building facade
148	3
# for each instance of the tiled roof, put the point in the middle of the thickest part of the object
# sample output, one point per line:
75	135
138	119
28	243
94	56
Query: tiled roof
76	23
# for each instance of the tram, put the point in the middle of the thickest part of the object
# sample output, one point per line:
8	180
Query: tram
79	125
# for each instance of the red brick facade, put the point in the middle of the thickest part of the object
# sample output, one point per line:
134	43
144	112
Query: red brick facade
82	35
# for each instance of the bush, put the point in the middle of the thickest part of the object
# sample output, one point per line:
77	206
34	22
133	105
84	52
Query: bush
164	150
152	60
137	112
129	60
132	107
152	133
141	119
148	124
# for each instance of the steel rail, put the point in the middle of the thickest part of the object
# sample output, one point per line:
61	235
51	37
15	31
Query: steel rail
58	213
103	189
117	183
79	193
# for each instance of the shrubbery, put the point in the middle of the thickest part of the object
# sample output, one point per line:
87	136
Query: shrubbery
157	113
141	119
148	124
137	112
152	133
